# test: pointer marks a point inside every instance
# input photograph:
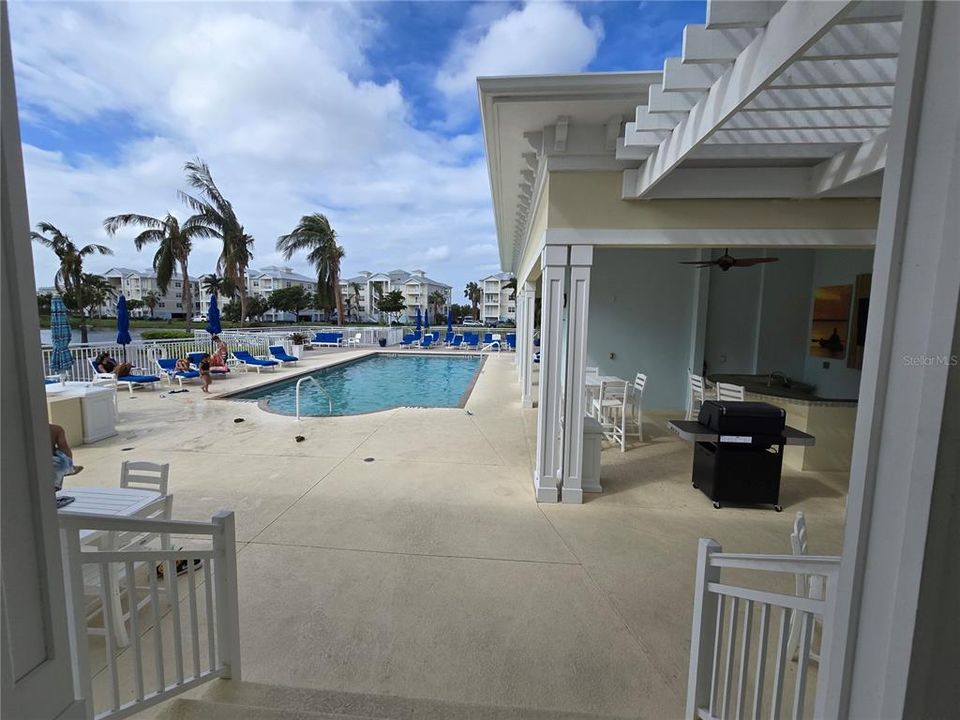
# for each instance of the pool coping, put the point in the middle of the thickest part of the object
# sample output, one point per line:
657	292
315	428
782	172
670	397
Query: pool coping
273	378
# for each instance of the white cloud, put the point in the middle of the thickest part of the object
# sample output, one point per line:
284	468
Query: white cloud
275	97
542	37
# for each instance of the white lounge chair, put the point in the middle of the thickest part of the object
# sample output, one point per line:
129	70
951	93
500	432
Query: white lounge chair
355	340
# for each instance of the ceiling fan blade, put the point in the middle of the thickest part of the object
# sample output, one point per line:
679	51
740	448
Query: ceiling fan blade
698	263
747	262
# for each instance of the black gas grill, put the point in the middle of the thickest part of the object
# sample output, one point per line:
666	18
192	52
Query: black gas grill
741	463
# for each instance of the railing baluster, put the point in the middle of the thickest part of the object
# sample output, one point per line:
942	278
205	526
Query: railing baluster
211	616
135	628
744	657
173	596
777	700
157	635
803	663
109	618
728	659
194	621
717	648
761	659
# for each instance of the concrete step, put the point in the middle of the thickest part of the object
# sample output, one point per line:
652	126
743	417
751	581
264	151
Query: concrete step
226	699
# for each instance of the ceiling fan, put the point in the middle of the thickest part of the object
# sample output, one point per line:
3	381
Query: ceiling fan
727	261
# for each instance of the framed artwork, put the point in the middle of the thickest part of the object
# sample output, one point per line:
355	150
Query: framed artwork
830	327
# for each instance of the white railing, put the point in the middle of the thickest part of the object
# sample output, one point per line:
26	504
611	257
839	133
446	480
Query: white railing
143	354
205	643
370	335
320	387
735	669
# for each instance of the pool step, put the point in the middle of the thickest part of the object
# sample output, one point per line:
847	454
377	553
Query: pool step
231	700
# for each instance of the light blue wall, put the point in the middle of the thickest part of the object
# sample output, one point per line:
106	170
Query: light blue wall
641	308
837	267
758	319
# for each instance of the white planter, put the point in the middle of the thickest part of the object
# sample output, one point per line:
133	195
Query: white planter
296	350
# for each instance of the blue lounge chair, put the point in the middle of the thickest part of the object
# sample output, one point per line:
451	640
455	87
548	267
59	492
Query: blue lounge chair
511	341
169	368
130	380
471	340
409	339
248	361
457	341
282	355
449	338
426	341
487	338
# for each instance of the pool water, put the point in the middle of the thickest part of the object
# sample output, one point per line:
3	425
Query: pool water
379	382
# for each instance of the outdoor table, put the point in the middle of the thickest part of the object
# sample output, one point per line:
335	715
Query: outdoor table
110	502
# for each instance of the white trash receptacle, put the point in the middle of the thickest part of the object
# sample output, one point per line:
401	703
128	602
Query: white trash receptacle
590	471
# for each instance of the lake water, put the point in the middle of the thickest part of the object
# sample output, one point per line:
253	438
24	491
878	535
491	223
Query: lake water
94	335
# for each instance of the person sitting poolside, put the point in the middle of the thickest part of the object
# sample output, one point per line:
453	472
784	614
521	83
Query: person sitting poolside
62	455
183	365
107	364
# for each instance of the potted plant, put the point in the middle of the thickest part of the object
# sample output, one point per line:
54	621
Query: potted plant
297	341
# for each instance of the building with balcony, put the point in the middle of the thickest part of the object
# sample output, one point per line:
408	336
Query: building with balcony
260	283
360	294
499	303
137	284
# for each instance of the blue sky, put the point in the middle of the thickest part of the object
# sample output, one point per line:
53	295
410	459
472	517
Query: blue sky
366	112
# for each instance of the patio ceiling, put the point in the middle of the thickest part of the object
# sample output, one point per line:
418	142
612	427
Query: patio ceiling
803	87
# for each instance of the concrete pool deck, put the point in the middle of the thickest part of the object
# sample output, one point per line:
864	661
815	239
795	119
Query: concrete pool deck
430	572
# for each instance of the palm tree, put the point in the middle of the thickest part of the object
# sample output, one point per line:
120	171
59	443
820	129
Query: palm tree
95	291
474	294
175	242
215	212
69	277
151	300
357	295
438	298
511	284
377	298
315	234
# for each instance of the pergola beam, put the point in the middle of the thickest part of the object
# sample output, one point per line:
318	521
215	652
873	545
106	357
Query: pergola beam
823	118
799	136
823	98
679	77
837	73
850	165
673	102
722	14
786	37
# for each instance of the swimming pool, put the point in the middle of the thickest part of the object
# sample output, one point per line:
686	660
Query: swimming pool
377	382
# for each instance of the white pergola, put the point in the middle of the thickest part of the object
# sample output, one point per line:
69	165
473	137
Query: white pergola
802	89
795	99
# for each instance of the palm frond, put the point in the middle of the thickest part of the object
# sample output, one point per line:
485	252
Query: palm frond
115	222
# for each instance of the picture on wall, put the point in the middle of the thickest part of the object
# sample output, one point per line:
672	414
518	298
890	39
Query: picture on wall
830	327
858	323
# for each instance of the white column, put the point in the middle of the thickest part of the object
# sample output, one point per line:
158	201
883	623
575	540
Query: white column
518	314
546	479
578	310
526	349
904	425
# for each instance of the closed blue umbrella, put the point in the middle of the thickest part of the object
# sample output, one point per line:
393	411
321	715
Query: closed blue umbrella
60	359
426	318
449	321
419	320
123	324
213	317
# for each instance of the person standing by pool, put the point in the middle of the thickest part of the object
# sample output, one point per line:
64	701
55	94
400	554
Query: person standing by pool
205	372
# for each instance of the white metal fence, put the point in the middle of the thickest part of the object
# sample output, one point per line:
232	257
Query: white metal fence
370	335
736	668
171	648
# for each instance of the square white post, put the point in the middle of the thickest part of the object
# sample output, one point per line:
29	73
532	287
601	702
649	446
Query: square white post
581	260
546	479
525	348
900	418
519	331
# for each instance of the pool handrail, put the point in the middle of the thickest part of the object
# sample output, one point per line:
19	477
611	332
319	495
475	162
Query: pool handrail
322	389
